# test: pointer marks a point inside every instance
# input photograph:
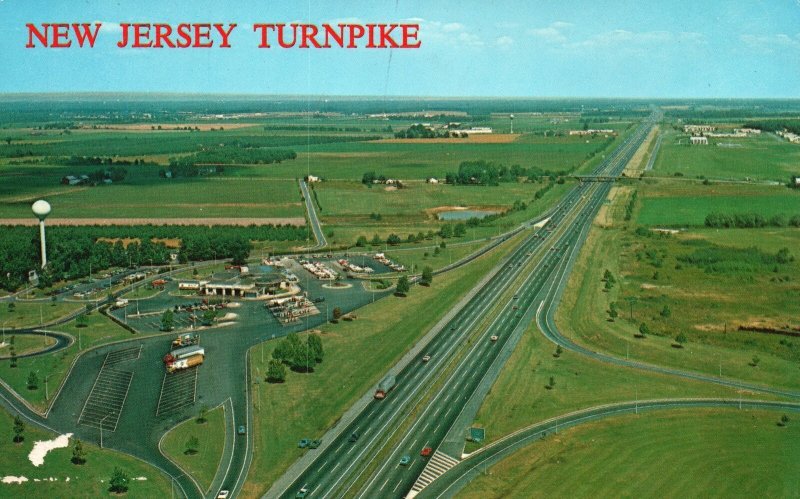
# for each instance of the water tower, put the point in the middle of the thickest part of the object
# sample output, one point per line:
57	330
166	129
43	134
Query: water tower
512	123
41	209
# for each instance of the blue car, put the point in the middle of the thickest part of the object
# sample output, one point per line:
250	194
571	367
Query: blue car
405	460
303	443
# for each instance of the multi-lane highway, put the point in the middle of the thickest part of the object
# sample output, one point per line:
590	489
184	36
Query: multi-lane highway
338	468
313	219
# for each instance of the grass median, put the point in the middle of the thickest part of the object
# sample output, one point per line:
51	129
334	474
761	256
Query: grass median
199	458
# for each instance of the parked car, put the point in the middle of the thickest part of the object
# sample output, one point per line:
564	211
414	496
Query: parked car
242	430
301	493
314	444
354	436
493	337
223	494
427	451
405	460
426	358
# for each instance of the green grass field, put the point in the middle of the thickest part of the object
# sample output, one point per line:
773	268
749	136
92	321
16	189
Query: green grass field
58	477
307	405
706	305
520	398
681	203
211	440
762	157
24	344
681	453
32	314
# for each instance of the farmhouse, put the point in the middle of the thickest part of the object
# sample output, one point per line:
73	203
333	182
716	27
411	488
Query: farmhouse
432	180
75	180
698	129
702	141
795	181
312	179
591	132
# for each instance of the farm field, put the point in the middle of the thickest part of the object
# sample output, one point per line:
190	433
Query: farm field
682	203
709	290
202	464
732	453
307	405
763	157
58	477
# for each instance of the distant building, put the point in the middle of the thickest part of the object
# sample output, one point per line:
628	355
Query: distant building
75	180
702	141
590	132
698	129
796	181
432	180
311	179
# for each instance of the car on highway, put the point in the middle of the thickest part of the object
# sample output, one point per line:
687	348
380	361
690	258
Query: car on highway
223	494
353	436
405	460
314	444
302	492
426	451
242	430
303	443
426	358
493	337
319	299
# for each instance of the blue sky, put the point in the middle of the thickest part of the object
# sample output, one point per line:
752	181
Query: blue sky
532	48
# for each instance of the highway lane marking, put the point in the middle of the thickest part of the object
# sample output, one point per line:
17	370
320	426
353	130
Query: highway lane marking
398	484
384	484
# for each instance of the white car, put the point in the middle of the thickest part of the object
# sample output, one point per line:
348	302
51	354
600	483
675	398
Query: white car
223	494
493	337
426	358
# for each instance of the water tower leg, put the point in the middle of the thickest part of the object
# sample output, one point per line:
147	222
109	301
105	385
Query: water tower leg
42	242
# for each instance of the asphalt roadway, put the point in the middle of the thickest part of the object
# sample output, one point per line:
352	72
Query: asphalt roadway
339	466
312	217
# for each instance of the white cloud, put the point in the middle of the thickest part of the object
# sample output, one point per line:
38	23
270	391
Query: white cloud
109	27
554	33
504	42
771	43
452	33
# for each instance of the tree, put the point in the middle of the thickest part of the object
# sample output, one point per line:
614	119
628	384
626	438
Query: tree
607	275
784	420
337	313
78	454
276	372
202	416
755	361
666	312
314	344
612	311
361	241
13	354
167	320
12	306
82	321
558	352
33	381
427	276
19	429
681	339
607	286
283	351
393	239
209	316
551	384
192	445
119	481
643	330
403	286
376	240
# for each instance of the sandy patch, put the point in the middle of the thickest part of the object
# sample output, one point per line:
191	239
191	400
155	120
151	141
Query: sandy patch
296	221
489	138
439	209
390	188
42	447
14	479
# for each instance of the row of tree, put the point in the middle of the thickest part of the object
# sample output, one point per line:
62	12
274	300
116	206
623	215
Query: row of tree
750	220
235	155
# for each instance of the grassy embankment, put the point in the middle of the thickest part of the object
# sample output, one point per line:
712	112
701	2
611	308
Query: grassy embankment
680	453
202	465
357	354
88	480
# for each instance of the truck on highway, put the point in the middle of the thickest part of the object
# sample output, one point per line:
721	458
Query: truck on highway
186	363
385	386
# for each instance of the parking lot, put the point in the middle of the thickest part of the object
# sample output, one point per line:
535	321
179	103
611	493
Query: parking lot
178	390
110	390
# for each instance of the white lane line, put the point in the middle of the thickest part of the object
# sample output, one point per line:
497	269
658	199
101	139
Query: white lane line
384	484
